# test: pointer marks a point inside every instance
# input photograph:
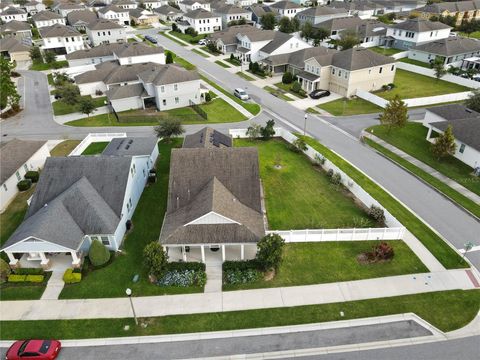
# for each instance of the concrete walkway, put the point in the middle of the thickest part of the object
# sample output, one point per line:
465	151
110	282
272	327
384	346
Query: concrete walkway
54	286
214	277
422	252
234	104
62	119
238	300
453	184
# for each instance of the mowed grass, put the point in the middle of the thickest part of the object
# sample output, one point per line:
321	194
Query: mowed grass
412	140
411	85
245	76
23	291
416	62
112	280
448	311
299	195
325	262
277	93
60	108
95	148
347	107
64	148
385	51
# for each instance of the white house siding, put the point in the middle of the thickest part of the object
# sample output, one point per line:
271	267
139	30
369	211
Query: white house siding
186	8
226	18
170	98
108	36
404	39
212	218
9	187
122	18
155	58
41	24
255	50
291	45
70	43
470	156
89	61
9	17
127	104
91	88
205	26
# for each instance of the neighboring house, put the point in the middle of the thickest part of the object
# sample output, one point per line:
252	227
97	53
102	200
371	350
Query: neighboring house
346	71
230	13
319	14
13	14
17	29
79	19
167	13
105	32
17	157
461	10
65	8
214	200
143	17
125	4
399	6
241	3
371	33
202	21
412	32
335	26
226	41
153	4
61	39
452	50
47	18
13	49
79	199
96	5
258	11
34	7
362	9
114	13
286	8
465	125
125	54
190	5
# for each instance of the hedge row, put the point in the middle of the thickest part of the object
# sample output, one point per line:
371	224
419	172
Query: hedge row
181	266
29	271
25	278
71	277
240	265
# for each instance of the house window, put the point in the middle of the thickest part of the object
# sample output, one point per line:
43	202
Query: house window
175	87
333	71
380	70
25	167
162	88
93	238
164	102
339	73
5	187
18	176
105	241
176	100
462	149
393	68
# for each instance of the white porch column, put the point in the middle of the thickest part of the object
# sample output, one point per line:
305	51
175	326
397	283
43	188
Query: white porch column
75	259
202	249
242	252
184	254
13	261
44	258
429	133
223	252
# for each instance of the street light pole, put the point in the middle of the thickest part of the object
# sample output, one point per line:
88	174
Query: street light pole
129	294
305	124
468	246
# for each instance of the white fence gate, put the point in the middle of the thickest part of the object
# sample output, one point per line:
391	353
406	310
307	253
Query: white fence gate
95	137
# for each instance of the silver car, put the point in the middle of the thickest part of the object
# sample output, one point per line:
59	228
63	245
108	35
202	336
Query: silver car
241	94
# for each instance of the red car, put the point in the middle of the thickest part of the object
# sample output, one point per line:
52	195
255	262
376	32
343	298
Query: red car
34	349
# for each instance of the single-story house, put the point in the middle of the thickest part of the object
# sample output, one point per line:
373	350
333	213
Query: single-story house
17	157
13	49
465	125
143	17
167	13
82	198
214	201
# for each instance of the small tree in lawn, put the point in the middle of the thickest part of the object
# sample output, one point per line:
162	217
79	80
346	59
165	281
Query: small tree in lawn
35	54
208	97
169	58
299	145
4	270
86	106
395	114
473	101
98	254
444	144
254	131
169	128
155	259
8	91
270	251
439	68
268	131
307	31
287	77
50	57
268	21
348	39
69	93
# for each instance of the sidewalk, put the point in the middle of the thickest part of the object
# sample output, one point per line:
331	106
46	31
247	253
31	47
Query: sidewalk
62	119
422	252
453	184
221	95
54	286
237	300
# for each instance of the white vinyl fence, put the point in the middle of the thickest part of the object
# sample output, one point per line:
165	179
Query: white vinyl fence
95	137
319	235
400	55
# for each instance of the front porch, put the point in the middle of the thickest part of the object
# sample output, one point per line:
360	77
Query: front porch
308	81
207	253
45	260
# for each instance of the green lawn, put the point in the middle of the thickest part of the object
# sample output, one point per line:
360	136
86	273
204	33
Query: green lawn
173	38
64	148
412	140
439	248
50	79
409	85
454	195
475	34
383	51
234	62
60	108
214	53
187	38
23	291
344	107
45	66
415	62
222	64
312	110
201	53
112	280
326	262
95	148
278	93
447	311
245	76
287	88
251	107
218	111
300	185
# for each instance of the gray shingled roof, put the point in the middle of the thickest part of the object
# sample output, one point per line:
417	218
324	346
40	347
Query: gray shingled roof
451	46
466	131
13	11
15	25
279	39
167	10
340	23
285	5
320	10
12	45
14	154
111	72
57	30
207	138
137	49
97	51
223	180
104	24
82	16
298	58
167	74
131	146
359	58
420	25
453	111
113	8
230	10
229	35
199	14
46	15
126	91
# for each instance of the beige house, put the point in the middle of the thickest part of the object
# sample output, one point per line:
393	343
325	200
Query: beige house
344	72
14	49
461	10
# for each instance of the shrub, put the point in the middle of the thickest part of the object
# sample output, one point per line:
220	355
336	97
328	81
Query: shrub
299	145
98	253
34	278
377	214
98	92
240	272
208	97
29	271
296	87
32	175
270	250
183	278
287	78
174	27
240	265
16	278
155	259
71	277
336	179
330	173
380	252
4	270
24	185
319	160
268	130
